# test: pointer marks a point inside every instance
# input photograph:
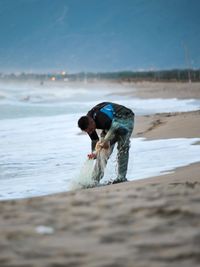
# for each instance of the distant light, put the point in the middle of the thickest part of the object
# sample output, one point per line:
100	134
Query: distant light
63	72
53	78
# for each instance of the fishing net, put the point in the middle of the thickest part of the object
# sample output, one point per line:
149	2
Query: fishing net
92	171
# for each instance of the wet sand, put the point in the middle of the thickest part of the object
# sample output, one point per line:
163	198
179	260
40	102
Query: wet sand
150	222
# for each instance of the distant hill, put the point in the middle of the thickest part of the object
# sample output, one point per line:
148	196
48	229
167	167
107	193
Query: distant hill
93	35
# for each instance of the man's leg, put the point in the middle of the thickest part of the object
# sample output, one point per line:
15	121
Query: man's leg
122	158
123	151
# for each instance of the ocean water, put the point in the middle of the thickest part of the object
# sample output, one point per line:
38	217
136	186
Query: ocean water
42	150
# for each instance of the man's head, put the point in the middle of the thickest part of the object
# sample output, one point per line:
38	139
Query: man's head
87	124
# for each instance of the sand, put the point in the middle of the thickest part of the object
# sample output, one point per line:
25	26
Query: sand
168	125
164	90
151	222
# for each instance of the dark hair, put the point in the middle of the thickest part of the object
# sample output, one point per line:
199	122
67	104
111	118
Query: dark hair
83	123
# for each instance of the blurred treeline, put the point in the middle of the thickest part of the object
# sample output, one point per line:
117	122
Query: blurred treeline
178	75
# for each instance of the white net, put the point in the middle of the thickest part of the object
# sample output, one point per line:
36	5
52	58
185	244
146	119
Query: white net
84	178
91	171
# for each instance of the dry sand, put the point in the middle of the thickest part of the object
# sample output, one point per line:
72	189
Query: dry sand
164	90
168	125
151	222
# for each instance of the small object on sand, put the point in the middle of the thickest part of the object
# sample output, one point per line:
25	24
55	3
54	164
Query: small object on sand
44	230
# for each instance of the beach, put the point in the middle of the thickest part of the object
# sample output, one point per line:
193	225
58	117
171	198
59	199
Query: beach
148	222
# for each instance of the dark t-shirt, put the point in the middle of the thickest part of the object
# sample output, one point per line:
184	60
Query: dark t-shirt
103	121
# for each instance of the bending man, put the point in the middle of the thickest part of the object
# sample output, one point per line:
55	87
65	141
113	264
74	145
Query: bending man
116	123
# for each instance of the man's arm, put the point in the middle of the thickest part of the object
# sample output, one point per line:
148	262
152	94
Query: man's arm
115	131
94	139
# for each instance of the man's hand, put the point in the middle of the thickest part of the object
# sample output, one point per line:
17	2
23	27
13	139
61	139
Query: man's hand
92	156
102	144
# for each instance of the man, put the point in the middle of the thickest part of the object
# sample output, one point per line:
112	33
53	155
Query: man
116	123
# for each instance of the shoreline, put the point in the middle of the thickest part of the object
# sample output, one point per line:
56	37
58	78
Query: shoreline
150	222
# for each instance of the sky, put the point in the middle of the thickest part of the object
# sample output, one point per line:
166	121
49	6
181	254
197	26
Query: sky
98	35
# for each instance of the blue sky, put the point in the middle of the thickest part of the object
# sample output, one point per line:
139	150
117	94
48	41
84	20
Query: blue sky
98	35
